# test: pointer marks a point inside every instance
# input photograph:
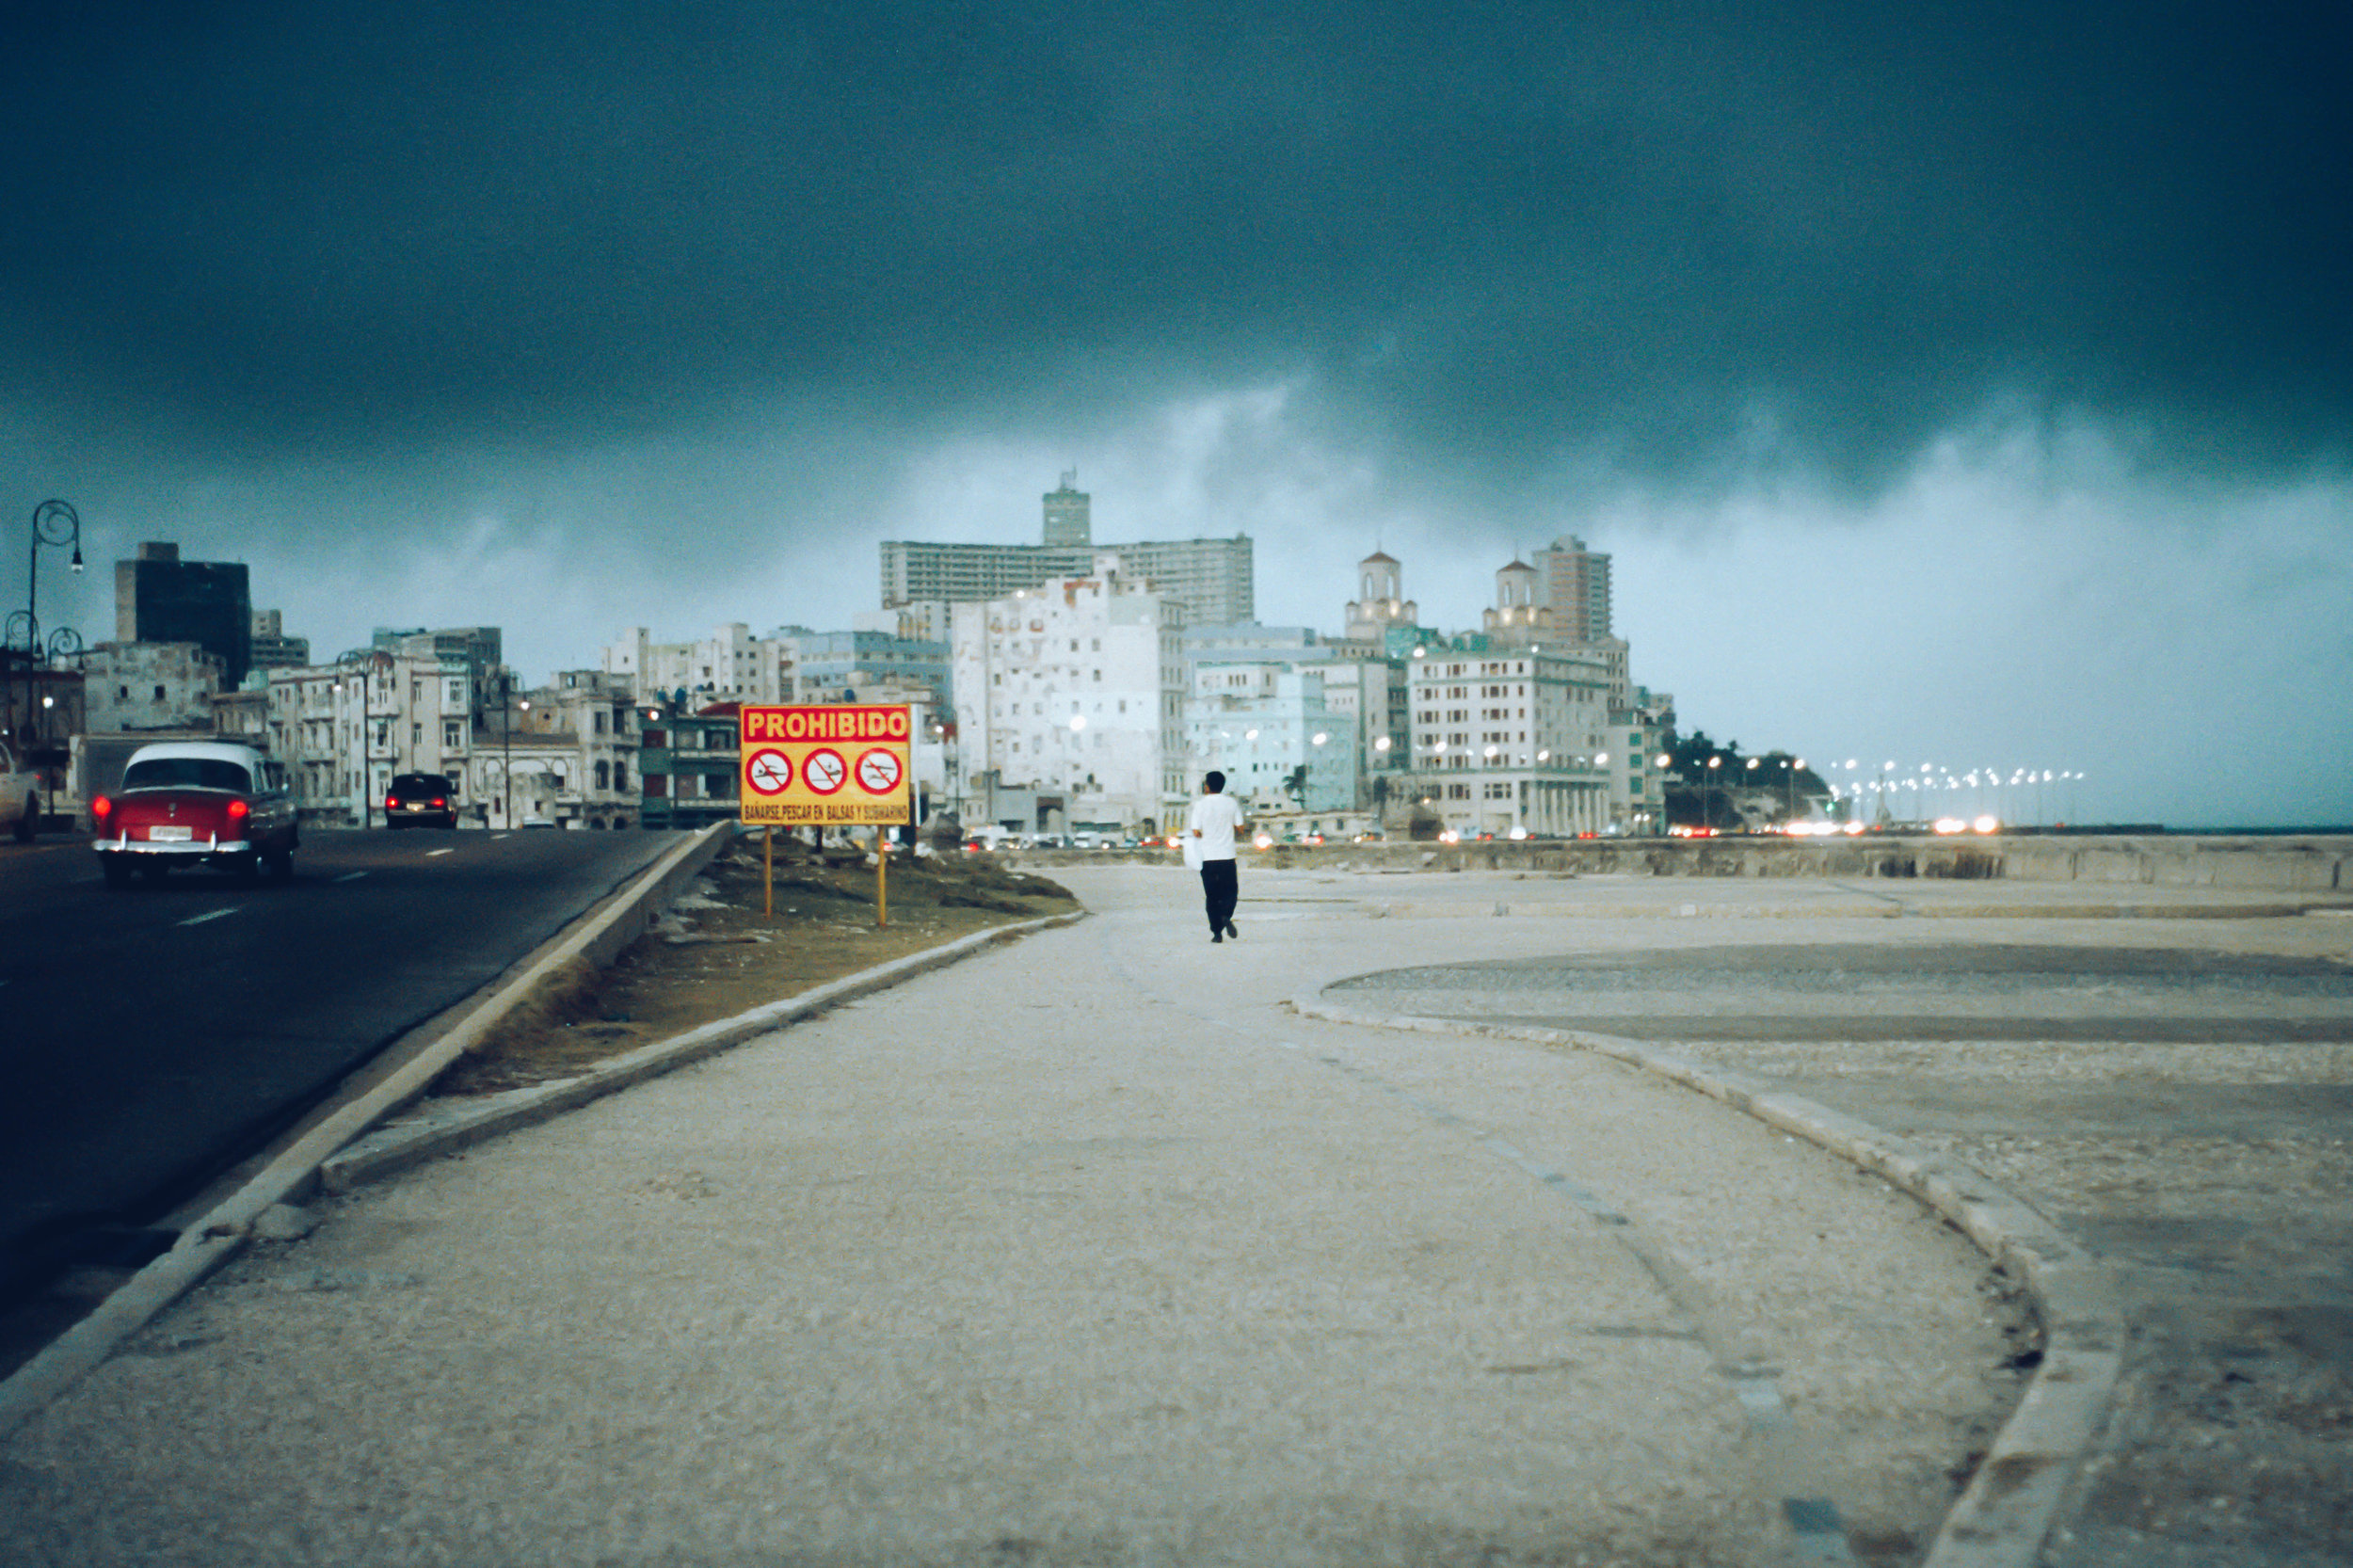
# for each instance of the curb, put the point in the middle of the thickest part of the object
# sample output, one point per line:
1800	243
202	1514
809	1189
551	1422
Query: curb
445	1131
221	1234
2013	1500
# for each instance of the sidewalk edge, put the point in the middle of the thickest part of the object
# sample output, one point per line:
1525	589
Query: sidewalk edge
2013	1502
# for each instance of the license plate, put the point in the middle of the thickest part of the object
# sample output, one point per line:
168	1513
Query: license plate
180	835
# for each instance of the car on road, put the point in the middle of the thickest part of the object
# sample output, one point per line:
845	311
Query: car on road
421	800
195	803
20	798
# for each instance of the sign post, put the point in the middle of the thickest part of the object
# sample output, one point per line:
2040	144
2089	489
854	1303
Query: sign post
830	765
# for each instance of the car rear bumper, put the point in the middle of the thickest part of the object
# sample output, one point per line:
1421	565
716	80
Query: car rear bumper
194	849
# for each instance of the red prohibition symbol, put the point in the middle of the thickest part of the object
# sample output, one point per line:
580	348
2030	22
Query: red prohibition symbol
878	772
769	772
823	770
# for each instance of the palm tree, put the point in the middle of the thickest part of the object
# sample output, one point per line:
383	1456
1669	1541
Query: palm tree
1295	785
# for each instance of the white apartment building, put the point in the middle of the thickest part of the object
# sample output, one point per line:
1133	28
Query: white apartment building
1076	690
1259	723
729	665
1364	697
1513	738
344	730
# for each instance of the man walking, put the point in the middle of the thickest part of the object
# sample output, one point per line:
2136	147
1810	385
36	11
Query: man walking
1209	835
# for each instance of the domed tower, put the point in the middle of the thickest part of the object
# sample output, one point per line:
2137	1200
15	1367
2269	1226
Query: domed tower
1520	616
1380	603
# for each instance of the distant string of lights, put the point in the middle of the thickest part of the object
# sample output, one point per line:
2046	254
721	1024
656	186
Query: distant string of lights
1997	795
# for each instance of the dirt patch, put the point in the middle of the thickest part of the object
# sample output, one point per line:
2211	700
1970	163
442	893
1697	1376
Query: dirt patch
715	954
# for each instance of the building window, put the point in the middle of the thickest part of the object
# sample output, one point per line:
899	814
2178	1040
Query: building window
604	773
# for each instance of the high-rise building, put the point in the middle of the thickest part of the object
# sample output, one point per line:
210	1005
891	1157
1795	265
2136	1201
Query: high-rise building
161	599
1209	580
272	649
1205	580
1574	582
1068	519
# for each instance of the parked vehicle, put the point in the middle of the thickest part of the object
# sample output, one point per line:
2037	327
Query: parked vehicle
195	803
20	798
421	800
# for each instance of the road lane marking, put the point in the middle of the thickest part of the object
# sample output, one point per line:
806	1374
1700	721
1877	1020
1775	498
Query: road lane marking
431	853
351	876
215	915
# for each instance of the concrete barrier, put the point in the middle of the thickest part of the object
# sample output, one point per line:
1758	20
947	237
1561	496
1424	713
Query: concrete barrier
2319	864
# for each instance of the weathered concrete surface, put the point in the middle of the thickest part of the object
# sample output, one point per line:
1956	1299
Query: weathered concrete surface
1084	1252
2176	1093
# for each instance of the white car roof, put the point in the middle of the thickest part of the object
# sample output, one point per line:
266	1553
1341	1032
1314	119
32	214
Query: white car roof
218	751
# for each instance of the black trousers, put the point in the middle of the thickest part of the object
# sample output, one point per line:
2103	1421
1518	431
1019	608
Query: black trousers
1220	890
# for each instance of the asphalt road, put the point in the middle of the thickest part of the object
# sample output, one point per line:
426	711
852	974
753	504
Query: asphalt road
156	1035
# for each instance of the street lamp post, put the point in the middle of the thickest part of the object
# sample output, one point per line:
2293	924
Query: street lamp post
54	523
506	750
57	524
1706	780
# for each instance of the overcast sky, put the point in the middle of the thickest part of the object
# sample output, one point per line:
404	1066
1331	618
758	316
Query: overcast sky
1966	384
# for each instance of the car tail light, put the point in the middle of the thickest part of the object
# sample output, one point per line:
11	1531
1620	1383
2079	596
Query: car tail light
238	811
101	808
391	803
438	803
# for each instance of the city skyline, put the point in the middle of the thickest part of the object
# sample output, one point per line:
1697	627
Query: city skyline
1963	384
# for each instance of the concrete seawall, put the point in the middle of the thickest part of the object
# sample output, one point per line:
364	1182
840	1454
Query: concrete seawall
2316	863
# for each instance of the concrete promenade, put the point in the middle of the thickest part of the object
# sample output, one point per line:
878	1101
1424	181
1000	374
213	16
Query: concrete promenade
2166	1072
1090	1251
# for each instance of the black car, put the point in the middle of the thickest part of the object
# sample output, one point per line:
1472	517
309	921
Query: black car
421	799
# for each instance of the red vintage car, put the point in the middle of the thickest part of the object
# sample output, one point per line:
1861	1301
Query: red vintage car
195	803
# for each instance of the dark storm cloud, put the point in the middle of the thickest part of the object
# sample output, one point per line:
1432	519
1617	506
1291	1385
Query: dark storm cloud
1509	238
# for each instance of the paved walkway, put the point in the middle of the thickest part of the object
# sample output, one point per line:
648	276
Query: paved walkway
1084	1252
2175	1090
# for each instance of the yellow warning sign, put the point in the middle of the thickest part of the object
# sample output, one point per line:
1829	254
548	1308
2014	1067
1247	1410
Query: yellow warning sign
832	766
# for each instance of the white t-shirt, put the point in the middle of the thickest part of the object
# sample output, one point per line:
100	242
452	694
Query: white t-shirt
1215	817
